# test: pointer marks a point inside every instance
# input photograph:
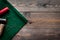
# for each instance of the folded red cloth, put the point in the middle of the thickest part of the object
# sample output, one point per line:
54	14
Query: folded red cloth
4	10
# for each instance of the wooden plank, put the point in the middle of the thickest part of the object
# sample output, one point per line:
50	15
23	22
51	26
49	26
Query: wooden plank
41	26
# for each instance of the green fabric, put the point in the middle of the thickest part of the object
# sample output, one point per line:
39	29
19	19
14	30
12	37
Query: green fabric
15	21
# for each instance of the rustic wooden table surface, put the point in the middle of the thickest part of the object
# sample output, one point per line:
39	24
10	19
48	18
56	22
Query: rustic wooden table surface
41	26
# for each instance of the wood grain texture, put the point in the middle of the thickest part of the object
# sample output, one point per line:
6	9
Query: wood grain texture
41	26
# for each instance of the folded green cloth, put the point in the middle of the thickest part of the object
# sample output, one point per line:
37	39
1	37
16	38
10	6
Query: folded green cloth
15	21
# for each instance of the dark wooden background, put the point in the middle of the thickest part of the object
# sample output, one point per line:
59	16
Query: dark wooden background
44	22
41	26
